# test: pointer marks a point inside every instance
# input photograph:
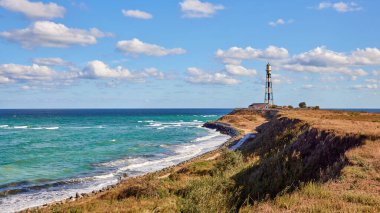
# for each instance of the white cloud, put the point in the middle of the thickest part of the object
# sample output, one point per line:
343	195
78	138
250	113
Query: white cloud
137	14
199	9
50	34
34	10
136	47
51	62
332	79
279	79
280	22
373	81
339	6
320	56
198	76
376	72
239	70
6	80
98	69
15	73
367	56
323	60
318	69
35	76
365	86
235	55
307	86
317	60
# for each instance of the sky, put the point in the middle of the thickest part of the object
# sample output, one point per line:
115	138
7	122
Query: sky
188	53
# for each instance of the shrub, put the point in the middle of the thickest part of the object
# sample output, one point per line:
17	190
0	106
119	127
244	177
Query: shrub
210	194
302	105
229	159
290	107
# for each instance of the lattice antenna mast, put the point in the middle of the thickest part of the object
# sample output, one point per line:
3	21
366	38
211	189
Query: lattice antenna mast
268	86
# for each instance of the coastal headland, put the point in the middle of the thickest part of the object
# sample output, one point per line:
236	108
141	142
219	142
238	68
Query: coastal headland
296	160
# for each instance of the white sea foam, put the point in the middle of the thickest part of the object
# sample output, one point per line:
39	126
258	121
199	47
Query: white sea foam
131	166
20	127
4	126
182	152
165	125
52	128
46	128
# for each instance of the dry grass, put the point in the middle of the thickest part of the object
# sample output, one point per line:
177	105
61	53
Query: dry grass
244	120
301	161
356	190
341	122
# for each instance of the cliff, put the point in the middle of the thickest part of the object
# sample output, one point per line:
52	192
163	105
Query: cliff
299	161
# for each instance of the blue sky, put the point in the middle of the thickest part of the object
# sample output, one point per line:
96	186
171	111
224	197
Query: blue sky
188	53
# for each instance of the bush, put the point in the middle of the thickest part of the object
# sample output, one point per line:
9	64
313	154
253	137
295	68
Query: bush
316	107
302	105
214	193
290	107
210	194
229	160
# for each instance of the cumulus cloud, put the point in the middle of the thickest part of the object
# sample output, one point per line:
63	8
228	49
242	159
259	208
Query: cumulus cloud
98	69
137	47
235	55
280	22
323	60
35	75
34	10
376	72
367	56
341	7
318	60
239	70
51	62
137	14
50	34
321	56
198	76
199	9
15	73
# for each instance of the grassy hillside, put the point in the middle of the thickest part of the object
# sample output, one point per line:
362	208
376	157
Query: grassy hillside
300	160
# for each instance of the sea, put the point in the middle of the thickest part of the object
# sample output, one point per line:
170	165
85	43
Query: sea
53	154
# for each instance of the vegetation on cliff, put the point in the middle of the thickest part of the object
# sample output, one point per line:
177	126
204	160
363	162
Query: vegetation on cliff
300	160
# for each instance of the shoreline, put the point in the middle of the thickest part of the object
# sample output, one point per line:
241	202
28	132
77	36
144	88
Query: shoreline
277	143
223	128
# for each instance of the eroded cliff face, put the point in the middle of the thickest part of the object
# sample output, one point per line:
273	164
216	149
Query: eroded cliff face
292	152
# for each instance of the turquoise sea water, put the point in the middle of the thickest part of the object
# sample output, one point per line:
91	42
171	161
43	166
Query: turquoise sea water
49	155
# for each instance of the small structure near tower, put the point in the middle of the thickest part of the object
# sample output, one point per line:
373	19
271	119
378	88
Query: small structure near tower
268	100
268	86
